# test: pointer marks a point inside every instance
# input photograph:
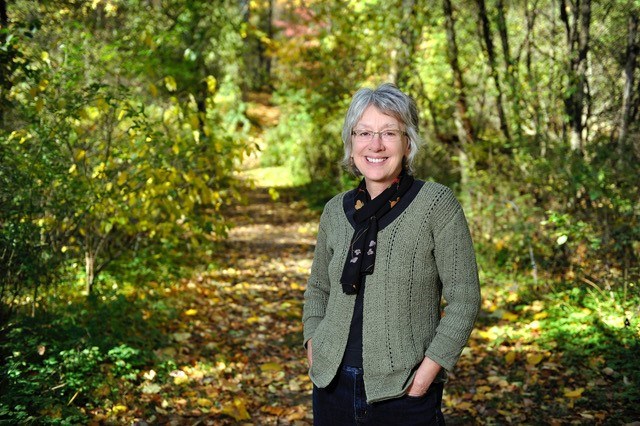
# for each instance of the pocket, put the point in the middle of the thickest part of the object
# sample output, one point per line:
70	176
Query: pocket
417	397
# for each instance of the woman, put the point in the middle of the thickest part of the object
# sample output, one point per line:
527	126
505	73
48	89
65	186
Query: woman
387	251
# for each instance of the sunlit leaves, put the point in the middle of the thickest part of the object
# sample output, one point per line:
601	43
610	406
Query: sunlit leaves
170	83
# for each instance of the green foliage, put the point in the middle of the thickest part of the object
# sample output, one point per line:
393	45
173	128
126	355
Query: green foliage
98	160
594	333
61	364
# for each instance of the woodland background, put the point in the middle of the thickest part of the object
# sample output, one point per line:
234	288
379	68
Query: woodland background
129	135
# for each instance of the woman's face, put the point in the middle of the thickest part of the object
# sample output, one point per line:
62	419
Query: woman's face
379	160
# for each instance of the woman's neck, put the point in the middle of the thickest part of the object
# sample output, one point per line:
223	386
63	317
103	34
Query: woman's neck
375	188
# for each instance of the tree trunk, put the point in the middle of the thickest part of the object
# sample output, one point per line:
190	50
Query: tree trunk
577	29
488	44
89	265
532	80
465	128
409	35
4	23
4	18
629	70
510	66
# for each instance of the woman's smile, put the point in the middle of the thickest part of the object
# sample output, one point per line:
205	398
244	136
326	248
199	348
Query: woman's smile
375	160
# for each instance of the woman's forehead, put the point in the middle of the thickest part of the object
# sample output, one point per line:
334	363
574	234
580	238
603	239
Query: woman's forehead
373	115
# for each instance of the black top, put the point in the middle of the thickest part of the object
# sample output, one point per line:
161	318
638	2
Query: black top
353	353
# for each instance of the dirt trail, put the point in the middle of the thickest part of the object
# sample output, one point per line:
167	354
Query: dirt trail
239	335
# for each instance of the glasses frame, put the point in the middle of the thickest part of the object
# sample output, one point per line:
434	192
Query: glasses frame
355	134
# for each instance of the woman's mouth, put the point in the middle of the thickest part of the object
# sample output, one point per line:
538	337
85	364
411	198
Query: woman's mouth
375	160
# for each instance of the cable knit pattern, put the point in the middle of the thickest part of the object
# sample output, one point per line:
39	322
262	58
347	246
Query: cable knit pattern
424	254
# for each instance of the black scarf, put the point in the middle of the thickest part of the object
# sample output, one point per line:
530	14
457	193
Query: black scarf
362	250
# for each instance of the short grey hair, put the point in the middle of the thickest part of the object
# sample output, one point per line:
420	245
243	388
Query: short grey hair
390	101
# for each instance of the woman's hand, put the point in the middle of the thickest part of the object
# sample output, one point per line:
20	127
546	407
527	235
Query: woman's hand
425	375
309	357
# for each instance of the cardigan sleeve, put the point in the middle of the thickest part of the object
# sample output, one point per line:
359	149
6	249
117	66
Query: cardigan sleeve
316	295
458	271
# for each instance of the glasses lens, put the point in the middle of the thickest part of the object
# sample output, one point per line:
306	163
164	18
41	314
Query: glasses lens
390	135
368	135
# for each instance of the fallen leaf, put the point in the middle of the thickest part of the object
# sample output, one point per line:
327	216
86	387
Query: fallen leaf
534	359
510	357
509	316
271	366
119	408
151	388
236	409
181	337
576	393
204	402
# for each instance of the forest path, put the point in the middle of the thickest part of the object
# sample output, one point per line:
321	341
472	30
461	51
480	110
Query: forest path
239	335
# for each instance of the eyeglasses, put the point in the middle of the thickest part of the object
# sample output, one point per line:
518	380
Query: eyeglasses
391	135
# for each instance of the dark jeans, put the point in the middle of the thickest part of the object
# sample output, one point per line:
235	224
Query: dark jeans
343	402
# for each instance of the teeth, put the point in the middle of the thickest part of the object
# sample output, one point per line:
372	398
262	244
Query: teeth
375	160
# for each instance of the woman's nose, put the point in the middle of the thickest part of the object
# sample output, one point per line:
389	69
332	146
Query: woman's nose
376	144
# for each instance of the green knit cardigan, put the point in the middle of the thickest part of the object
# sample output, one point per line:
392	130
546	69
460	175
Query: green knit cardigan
424	254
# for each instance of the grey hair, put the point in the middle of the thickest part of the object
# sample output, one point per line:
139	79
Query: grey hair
390	101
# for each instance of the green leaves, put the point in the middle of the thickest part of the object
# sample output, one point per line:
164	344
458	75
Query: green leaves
99	160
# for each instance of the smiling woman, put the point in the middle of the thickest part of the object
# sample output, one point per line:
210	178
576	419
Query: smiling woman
378	155
387	252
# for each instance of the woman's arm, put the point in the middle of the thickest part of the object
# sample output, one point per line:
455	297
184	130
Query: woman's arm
456	263
316	295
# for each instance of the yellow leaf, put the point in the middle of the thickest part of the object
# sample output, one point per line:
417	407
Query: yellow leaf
180	380
194	121
464	406
236	409
81	154
487	335
204	402
271	366
72	169
576	393
154	90
534	359
509	316
191	312
294	386
510	357
211	84
170	83
513	297
119	408
483	389
122	178
540	315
